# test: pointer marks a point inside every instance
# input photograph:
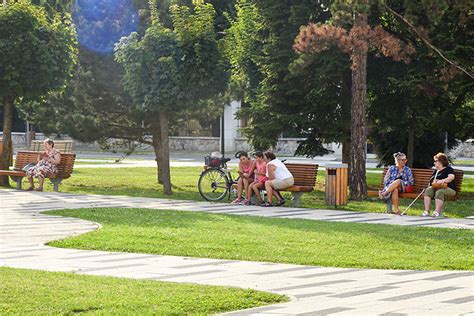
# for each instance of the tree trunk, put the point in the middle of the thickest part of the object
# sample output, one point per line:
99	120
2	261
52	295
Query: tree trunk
346	153
357	180
157	148
165	153
411	147
7	137
346	110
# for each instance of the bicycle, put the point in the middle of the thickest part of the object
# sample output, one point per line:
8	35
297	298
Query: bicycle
216	181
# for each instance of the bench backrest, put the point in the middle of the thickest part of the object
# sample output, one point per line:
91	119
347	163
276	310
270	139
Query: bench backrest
422	178
65	167
304	174
64	146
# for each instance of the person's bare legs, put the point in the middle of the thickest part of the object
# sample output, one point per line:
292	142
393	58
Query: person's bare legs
439	205
277	194
40	183
239	191
248	193
269	189
32	184
247	182
256	188
392	186
240	185
395	201
427	201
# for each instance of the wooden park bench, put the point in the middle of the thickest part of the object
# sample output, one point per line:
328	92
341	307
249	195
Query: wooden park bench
422	179
23	158
64	146
305	180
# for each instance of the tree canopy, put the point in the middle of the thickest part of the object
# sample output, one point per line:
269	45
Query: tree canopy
38	54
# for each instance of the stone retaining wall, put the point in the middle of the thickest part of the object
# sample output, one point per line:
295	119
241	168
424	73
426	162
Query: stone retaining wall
465	149
189	144
209	144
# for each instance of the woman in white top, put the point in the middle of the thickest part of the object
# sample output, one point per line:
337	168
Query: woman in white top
279	178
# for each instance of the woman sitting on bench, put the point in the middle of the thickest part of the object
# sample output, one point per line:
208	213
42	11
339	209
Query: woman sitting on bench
279	178
441	185
47	164
246	167
399	178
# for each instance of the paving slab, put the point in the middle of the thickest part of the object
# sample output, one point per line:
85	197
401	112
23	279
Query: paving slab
313	290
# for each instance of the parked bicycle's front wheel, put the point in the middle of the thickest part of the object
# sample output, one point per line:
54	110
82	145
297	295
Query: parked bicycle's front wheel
213	184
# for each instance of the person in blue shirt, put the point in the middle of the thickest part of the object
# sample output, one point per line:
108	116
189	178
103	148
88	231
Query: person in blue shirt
397	179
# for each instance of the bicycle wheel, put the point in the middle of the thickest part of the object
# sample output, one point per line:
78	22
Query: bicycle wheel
213	184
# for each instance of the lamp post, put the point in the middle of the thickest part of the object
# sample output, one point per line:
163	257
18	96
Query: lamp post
222	135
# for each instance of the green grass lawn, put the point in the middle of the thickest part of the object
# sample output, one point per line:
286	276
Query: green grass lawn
141	181
54	293
79	162
461	162
254	238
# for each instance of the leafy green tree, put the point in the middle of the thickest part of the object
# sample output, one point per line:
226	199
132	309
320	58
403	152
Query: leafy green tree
365	36
95	106
268	77
37	53
428	96
170	70
356	42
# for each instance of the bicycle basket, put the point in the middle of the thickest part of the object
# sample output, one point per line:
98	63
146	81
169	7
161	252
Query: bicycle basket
212	161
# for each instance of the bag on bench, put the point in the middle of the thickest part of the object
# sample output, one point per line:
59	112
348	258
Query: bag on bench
28	167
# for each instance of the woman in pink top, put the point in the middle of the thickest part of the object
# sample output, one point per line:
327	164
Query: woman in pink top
246	166
260	169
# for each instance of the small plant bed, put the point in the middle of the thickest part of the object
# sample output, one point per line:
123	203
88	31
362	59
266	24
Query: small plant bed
253	238
141	182
56	293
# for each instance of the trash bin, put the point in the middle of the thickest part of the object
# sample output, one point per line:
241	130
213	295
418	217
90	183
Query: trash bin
336	184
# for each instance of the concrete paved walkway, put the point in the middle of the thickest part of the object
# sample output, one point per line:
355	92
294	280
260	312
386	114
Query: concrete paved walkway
314	290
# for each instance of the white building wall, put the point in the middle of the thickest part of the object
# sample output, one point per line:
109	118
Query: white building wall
231	125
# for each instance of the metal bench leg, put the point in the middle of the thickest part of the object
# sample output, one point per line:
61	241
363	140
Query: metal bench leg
254	200
18	181
389	207
56	183
297	198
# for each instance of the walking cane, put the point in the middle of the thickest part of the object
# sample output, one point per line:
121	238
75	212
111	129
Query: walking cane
422	191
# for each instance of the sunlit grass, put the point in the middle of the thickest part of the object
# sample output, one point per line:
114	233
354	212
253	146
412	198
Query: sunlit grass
29	292
255	238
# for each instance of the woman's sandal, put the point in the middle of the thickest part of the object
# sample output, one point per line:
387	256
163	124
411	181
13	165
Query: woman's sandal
436	214
425	213
281	202
267	205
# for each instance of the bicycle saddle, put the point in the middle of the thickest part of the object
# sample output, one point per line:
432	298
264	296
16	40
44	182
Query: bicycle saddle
224	160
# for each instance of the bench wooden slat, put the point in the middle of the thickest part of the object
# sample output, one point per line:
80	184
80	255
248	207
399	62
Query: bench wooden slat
304	175
64	146
12	173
